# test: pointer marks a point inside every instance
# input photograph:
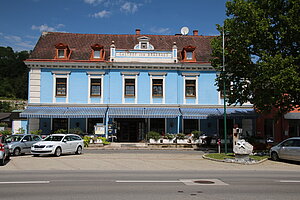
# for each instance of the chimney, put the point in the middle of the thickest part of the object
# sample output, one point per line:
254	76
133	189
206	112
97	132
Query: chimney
195	32
138	31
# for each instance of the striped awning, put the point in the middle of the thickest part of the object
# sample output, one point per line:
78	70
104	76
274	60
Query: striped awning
122	112
64	112
162	112
199	113
135	112
239	112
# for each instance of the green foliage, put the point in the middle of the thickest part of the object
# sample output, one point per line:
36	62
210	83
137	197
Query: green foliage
196	134
169	136
180	136
104	141
153	135
262	57
13	73
61	131
86	141
223	156
2	124
37	132
5	106
5	132
77	131
21	131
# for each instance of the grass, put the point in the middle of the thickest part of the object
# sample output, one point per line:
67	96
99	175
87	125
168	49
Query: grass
222	156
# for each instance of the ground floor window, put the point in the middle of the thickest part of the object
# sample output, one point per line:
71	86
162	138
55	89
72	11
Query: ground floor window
269	128
60	123
190	125
92	122
157	125
294	128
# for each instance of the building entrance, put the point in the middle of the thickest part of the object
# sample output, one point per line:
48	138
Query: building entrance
130	130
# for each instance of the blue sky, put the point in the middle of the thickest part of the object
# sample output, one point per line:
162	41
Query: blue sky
23	21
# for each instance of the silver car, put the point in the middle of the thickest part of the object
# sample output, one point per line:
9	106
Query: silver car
288	149
21	143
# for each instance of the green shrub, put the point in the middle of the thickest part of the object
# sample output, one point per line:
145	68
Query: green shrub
180	136
196	134
61	131
5	132
169	136
86	141
2	124
37	132
104	141
77	131
21	131
153	135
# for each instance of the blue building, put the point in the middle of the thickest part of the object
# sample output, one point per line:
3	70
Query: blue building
130	84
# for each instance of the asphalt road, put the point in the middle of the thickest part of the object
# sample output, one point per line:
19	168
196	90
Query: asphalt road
43	185
145	174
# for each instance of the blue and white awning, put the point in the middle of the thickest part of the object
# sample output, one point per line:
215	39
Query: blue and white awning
239	112
126	112
64	112
199	113
162	112
135	112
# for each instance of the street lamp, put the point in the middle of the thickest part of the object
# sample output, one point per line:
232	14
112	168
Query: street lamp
224	92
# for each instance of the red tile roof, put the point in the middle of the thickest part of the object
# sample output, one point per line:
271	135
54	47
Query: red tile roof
80	44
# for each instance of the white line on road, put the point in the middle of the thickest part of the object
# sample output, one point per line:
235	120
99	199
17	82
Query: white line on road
289	181
147	181
26	182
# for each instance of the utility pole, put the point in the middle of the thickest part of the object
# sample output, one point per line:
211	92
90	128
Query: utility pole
224	93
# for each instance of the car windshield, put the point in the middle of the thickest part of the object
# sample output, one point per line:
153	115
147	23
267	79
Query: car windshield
55	138
14	138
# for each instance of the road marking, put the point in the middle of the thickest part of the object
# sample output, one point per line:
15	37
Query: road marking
147	181
289	181
184	181
26	182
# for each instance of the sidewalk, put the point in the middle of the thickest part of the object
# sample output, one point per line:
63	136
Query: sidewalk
150	161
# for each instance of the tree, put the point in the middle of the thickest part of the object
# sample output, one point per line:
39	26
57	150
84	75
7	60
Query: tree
262	53
13	73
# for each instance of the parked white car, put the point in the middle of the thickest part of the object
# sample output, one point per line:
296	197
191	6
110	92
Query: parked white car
58	144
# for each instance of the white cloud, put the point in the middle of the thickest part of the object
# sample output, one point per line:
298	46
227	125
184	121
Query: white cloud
93	1
45	27
129	7
101	14
160	30
16	42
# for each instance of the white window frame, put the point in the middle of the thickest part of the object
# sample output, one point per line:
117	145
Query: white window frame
163	77
60	74
134	76
190	77
96	75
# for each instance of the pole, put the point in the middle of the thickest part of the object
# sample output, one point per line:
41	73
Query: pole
224	92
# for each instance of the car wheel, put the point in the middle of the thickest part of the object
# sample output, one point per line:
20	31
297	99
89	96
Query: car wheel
274	156
57	152
2	161
17	151
79	150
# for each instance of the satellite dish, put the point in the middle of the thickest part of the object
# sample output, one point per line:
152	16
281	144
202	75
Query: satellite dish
184	30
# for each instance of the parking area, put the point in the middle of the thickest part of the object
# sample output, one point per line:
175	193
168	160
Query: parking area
136	160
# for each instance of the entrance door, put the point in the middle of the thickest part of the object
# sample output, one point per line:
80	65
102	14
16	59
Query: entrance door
129	129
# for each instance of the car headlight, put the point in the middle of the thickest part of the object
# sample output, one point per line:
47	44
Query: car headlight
49	146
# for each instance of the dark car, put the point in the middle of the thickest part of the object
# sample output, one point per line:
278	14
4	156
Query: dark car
4	150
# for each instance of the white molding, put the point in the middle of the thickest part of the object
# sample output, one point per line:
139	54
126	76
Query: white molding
95	73
55	76
197	95
135	88
164	88
130	73
61	72
89	87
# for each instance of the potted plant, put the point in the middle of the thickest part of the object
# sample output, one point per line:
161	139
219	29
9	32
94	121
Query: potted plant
153	136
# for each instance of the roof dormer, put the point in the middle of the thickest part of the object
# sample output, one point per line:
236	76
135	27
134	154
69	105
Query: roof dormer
144	43
98	52
188	54
62	51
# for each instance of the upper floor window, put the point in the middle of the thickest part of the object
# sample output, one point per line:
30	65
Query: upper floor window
95	87
190	88
157	87
62	51
61	86
188	54
129	87
98	52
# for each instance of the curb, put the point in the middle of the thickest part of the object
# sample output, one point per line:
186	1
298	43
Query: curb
224	161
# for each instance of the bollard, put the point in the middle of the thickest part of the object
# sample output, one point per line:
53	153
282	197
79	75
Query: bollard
219	145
